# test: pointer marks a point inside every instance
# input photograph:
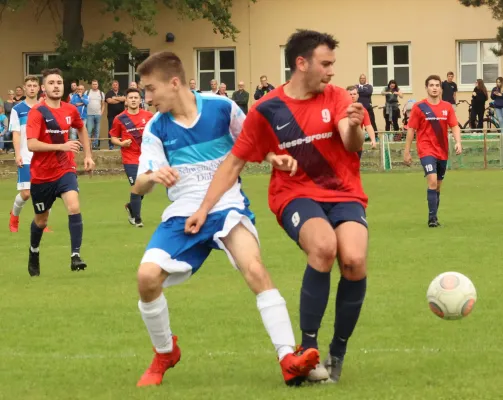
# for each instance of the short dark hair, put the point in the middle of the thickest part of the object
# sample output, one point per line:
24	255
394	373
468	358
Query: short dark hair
432	78
351	88
164	62
450	73
133	90
51	71
303	43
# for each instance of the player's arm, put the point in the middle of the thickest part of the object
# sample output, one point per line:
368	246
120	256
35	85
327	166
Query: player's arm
456	130
407	158
33	128
372	134
153	166
116	134
350	128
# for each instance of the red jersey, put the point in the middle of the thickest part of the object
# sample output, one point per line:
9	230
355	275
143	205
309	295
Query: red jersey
308	131
431	122
51	125
130	126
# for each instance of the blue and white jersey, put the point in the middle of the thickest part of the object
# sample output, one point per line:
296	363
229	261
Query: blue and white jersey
196	152
17	122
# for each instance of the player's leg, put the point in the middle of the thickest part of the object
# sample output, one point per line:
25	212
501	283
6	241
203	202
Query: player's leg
23	186
68	190
42	196
429	164
242	247
171	258
134	206
352	243
441	170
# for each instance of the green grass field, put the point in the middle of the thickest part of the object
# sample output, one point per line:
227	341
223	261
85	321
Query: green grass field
79	335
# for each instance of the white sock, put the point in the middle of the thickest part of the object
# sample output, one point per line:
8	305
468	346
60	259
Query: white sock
156	317
18	205
276	320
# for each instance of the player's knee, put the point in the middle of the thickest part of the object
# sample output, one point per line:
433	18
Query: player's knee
41	220
150	278
25	195
354	267
73	208
322	254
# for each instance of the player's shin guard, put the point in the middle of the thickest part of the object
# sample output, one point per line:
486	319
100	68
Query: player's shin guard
276	320
431	196
35	236
348	304
18	205
76	227
313	302
156	317
135	202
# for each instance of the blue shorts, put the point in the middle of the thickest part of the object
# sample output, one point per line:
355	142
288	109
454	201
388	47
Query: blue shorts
181	255
298	211
131	172
23	177
432	165
43	195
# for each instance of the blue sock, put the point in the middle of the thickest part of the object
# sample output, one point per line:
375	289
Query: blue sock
438	200
135	203
36	235
432	203
76	228
348	304
313	302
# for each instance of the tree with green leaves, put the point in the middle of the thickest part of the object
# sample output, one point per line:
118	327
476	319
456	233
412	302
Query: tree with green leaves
496	7
80	60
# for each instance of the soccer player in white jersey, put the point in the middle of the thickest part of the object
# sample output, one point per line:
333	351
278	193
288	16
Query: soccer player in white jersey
183	144
17	125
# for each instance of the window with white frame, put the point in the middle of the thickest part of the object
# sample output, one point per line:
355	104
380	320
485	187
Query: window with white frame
390	61
125	68
219	64
34	62
477	61
285	68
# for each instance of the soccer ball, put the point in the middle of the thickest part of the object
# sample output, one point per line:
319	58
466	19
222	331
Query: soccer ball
451	295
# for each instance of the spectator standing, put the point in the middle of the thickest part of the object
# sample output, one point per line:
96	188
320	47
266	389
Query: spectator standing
497	96
95	109
8	105
115	100
365	91
19	96
222	90
479	98
241	97
449	89
193	85
81	101
392	110
214	86
3	128
263	88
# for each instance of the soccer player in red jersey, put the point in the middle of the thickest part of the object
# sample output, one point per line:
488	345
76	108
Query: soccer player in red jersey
353	92
53	169
321	207
127	131
430	120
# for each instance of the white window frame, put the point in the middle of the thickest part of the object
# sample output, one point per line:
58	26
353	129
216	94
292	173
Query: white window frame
390	66
216	71
468	87
131	73
284	68
45	56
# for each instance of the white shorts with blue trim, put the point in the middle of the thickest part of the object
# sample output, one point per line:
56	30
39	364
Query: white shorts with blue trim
181	255
23	177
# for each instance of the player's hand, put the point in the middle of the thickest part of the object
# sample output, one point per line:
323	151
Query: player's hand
373	144
407	159
458	148
355	114
126	143
194	223
89	164
72	145
166	176
285	163
19	161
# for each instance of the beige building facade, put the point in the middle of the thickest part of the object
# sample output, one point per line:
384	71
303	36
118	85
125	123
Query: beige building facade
404	40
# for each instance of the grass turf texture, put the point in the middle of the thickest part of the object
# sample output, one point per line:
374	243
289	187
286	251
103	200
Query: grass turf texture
79	335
